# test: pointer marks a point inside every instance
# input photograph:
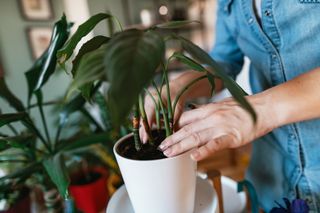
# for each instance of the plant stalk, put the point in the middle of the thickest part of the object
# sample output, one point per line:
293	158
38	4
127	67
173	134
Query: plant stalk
135	127
157	110
145	119
165	116
169	106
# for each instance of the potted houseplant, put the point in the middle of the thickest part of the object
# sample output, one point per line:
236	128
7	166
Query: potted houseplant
40	158
128	61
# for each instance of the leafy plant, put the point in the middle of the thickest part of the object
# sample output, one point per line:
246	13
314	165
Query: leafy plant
128	61
37	154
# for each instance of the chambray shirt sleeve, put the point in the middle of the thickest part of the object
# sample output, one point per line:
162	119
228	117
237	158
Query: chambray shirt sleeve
226	51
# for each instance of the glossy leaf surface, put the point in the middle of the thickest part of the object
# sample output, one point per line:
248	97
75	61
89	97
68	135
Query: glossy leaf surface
83	30
131	60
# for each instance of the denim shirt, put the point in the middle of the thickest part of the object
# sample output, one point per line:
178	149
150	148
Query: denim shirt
281	45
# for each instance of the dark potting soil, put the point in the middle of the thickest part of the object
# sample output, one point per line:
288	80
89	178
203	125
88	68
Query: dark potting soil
148	151
83	179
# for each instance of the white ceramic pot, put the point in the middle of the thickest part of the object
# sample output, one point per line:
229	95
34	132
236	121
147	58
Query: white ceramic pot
159	186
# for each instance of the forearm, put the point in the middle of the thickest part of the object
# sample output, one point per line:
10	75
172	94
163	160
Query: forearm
293	101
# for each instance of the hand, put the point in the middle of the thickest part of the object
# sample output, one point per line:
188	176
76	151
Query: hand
218	126
150	107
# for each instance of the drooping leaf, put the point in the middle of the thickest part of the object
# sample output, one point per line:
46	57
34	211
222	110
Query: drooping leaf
84	141
203	57
131	60
45	66
188	61
89	46
175	24
65	53
24	172
57	171
91	68
7	95
103	110
12	117
20	142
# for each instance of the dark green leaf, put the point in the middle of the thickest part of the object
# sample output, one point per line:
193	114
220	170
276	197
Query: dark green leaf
12	117
83	142
75	104
87	91
175	24
91	68
104	111
45	66
20	142
57	172
7	95
131	60
204	58
65	53
22	172
89	46
189	62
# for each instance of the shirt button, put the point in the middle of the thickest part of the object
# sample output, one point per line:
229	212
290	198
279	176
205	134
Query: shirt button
250	20
267	13
274	56
292	136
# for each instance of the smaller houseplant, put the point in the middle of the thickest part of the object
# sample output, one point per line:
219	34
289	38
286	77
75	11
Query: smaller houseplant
128	61
40	157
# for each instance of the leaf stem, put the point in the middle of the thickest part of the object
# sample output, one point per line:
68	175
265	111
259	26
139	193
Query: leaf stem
118	22
157	110
135	127
184	89
145	119
165	116
14	131
169	106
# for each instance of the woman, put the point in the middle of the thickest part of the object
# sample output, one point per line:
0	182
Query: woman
282	40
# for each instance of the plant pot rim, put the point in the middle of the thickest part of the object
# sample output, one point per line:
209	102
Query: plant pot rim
103	175
124	138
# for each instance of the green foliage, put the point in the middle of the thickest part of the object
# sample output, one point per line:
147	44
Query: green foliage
66	52
130	62
56	169
45	66
8	96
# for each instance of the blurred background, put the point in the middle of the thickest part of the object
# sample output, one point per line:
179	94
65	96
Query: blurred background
25	29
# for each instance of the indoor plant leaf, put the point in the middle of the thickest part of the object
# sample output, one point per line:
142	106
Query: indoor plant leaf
188	61
131	60
89	46
45	66
12	117
84	141
66	52
203	57
7	95
90	69
103	110
20	142
22	172
175	24
57	171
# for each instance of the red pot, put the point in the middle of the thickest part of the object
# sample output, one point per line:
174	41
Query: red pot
22	205
90	197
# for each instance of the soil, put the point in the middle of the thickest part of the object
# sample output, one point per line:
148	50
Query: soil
148	152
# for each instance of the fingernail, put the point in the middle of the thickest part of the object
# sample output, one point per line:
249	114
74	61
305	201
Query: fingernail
195	155
162	147
167	152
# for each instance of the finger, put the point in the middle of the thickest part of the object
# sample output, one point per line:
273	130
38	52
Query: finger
211	147
196	114
195	139
143	133
185	132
